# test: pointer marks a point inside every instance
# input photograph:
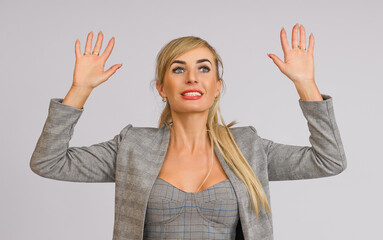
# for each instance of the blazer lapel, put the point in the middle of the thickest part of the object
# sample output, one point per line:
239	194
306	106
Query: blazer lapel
145	161
242	197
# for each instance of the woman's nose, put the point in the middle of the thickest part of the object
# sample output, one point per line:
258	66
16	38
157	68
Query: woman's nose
191	77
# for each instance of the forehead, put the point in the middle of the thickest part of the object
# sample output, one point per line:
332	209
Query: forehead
195	54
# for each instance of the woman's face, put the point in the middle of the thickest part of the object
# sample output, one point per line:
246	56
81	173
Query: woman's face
194	69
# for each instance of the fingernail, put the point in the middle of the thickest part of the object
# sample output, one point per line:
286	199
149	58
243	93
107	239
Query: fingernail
269	55
119	66
282	28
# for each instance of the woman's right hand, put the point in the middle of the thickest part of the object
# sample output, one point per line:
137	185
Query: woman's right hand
89	69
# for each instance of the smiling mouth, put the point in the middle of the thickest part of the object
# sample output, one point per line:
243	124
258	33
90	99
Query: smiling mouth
192	94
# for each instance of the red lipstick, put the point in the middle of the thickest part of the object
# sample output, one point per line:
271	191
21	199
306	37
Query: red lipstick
192	90
191	97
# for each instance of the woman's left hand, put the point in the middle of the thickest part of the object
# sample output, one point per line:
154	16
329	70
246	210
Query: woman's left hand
299	63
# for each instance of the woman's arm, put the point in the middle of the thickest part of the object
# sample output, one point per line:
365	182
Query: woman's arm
325	157
53	158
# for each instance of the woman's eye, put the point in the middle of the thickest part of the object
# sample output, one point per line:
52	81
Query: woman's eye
208	69
175	69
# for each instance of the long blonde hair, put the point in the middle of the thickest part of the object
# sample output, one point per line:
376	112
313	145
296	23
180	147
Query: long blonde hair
220	134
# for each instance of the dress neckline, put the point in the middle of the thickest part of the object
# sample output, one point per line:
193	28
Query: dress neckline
194	193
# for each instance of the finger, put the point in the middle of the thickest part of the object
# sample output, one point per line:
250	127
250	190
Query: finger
98	44
302	37
108	73
284	42
311	44
77	49
88	45
280	64
108	49
294	37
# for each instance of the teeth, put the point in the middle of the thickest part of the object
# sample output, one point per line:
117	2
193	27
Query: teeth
192	94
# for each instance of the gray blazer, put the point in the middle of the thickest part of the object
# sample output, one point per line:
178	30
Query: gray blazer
133	159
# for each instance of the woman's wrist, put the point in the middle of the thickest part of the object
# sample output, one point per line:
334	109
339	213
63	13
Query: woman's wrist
77	96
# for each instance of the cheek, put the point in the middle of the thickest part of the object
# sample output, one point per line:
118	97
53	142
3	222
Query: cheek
172	88
212	87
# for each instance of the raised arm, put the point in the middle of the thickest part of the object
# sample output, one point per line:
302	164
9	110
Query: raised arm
53	158
325	157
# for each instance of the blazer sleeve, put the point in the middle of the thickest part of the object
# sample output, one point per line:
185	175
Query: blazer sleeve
325	157
54	159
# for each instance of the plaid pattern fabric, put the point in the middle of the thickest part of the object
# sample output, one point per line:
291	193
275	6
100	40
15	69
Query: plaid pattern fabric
176	214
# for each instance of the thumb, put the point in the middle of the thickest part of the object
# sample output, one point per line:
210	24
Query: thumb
277	61
108	73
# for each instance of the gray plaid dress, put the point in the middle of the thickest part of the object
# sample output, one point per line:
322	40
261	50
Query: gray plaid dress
175	214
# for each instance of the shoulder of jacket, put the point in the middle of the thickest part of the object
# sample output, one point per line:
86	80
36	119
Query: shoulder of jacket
243	132
141	135
238	132
144	130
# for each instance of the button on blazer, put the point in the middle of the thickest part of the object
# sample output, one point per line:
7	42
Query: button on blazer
133	158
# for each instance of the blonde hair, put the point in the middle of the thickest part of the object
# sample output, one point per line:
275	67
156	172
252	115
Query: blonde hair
220	134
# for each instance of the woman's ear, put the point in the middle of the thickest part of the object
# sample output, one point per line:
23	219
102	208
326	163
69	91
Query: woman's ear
219	86
160	90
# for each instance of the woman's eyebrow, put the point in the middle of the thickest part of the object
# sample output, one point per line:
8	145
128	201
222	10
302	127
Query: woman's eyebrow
198	61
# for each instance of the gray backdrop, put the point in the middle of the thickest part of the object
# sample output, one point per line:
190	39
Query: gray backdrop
37	61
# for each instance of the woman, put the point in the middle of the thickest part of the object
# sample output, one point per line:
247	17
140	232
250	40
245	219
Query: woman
191	177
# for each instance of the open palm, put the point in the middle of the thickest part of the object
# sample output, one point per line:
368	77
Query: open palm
89	68
298	64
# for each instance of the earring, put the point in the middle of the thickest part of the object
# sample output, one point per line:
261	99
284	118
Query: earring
164	99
